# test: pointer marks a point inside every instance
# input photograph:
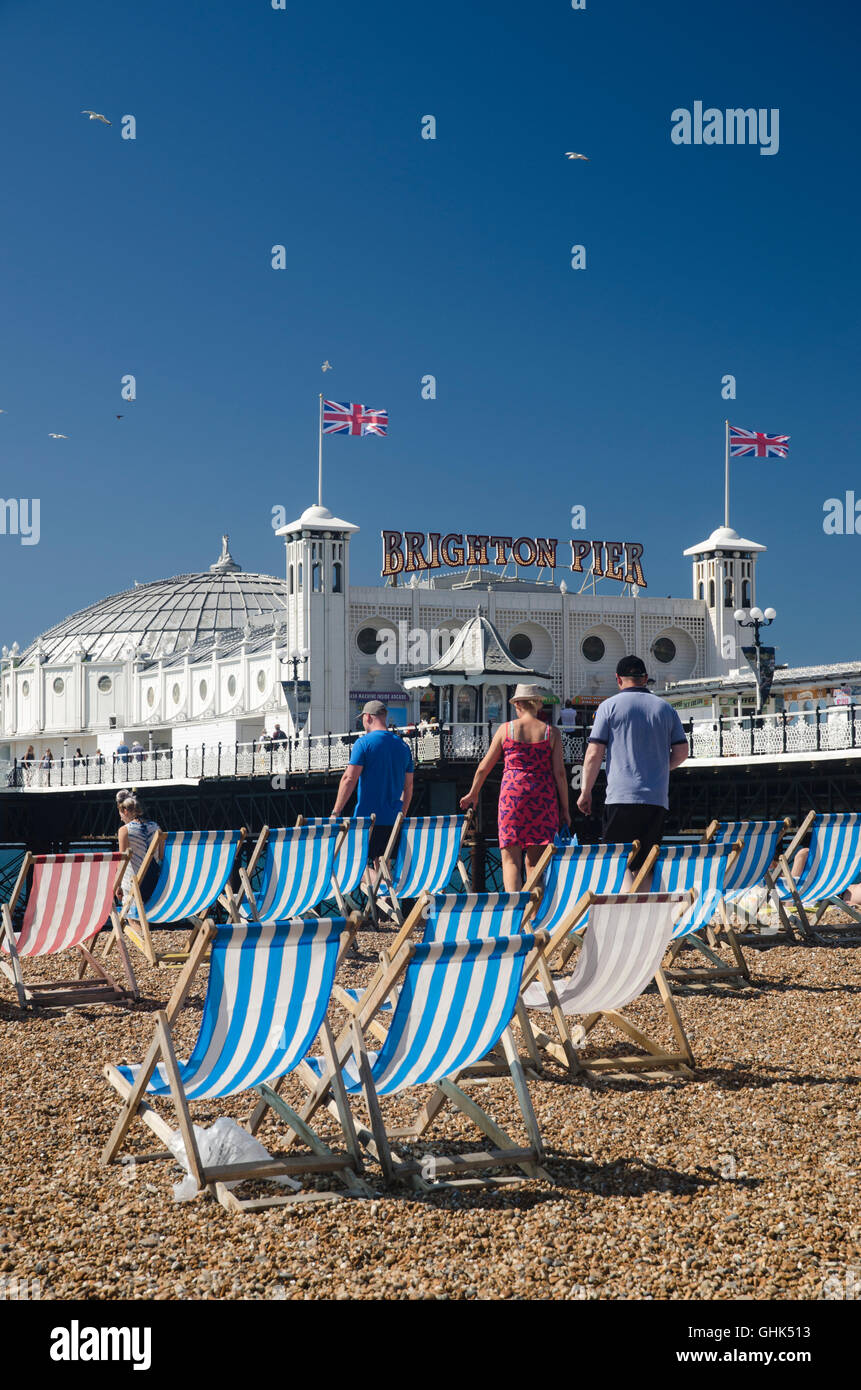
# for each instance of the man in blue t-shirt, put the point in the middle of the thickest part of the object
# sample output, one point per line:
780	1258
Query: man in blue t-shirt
643	740
382	766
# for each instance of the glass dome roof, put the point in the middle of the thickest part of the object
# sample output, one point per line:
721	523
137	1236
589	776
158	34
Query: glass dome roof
167	615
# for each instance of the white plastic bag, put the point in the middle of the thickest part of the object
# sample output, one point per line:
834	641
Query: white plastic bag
224	1142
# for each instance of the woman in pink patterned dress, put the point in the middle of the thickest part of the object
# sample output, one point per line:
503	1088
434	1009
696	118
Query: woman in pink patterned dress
533	789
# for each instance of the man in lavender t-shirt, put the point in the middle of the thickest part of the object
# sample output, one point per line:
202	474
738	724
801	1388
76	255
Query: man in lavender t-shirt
642	739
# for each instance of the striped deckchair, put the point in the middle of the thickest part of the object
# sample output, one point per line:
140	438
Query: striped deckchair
195	871
754	866
428	854
701	869
833	863
268	991
71	897
351	858
572	873
297	871
621	954
456	1002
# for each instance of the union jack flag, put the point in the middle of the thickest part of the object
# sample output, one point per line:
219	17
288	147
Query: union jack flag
761	446
342	417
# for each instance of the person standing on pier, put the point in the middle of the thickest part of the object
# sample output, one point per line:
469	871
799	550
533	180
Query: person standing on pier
642	738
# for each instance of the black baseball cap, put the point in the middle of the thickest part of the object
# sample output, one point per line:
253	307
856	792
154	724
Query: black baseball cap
632	667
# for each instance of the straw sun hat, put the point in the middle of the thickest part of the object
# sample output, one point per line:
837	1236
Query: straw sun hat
528	692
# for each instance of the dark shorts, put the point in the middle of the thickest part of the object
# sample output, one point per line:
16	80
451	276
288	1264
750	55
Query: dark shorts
624	823
378	840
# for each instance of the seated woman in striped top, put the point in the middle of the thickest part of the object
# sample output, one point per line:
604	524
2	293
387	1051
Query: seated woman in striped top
135	834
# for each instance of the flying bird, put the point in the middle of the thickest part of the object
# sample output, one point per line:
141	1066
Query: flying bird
96	116
327	366
58	436
569	154
119	417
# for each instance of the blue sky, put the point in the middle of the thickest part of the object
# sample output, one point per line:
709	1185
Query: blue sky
408	256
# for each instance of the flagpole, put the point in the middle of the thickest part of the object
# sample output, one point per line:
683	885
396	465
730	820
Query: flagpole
726	475
320	457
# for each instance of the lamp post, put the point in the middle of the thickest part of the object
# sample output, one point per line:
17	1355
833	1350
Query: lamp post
757	619
297	658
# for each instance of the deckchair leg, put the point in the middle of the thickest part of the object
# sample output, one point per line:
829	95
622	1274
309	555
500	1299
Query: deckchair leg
674	1016
381	1143
480	1118
528	1037
558	1015
133	1100
186	1128
523	1097
803	923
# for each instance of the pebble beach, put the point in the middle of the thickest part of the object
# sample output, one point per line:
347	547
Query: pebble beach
740	1184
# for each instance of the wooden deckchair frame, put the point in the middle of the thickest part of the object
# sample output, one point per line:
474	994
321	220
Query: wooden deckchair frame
138	929
321	1159
104	989
378	1139
564	1048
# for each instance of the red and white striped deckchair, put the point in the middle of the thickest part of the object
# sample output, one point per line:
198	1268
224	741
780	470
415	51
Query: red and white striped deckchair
71	896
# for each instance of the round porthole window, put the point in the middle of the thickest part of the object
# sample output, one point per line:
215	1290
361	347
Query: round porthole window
367	640
664	650
593	648
25	688
105	684
175	694
520	646
59	685
203	689
261	680
150	696
231	685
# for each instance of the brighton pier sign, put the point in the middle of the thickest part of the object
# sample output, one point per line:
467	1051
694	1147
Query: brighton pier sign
410	551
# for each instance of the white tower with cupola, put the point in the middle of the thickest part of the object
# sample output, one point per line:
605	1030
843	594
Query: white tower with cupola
724	577
318	585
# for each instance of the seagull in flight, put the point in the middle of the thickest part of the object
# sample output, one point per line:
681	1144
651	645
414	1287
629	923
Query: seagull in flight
96	116
327	366
58	436
571	155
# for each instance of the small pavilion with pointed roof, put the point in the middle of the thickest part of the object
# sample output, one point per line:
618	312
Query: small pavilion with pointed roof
475	677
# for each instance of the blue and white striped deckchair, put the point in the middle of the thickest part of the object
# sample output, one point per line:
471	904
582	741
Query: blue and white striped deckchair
621	955
571	873
195	872
427	855
297	872
760	842
268	991
475	916
833	863
701	869
351	854
456	1002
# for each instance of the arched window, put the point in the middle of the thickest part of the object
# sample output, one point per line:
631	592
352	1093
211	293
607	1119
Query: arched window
711	593
299	578
337	570
727	593
316	577
289	579
745	593
701	590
